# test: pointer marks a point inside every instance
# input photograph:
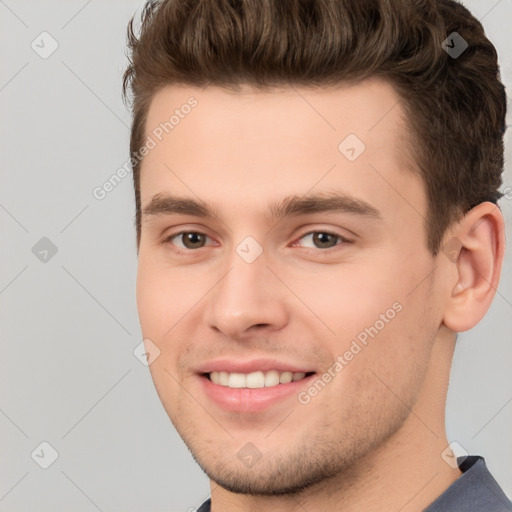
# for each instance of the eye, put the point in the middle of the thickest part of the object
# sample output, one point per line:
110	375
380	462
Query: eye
323	239
188	240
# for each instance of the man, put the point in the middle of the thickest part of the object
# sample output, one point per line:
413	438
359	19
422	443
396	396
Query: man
316	190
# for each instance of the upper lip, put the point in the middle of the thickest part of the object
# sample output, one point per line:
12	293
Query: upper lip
254	365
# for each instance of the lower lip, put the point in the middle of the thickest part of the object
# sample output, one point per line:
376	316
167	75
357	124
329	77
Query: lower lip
251	399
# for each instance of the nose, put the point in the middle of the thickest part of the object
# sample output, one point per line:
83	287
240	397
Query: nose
248	298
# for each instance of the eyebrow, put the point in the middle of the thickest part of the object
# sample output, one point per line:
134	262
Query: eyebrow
165	204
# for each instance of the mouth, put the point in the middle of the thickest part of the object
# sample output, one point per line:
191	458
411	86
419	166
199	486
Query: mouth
254	392
255	380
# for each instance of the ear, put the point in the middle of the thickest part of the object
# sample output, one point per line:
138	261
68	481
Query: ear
475	249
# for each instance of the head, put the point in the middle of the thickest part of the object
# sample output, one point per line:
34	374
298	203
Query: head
271	123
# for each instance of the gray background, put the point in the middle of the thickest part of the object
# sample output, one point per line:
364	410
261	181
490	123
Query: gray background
69	325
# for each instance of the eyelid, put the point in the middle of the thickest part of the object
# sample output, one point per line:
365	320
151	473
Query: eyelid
343	239
170	236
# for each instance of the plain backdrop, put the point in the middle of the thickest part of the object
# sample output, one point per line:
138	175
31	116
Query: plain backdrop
69	376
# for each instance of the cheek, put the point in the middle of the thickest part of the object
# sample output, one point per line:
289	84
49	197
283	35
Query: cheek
164	295
383	332
395	360
377	388
167	303
157	316
150	304
350	299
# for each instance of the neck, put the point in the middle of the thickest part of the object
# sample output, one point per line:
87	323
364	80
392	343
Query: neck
405	473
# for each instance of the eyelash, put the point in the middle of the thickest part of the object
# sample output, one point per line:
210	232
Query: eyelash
309	250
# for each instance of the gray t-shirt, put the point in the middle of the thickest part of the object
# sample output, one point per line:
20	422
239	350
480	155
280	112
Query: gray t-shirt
475	490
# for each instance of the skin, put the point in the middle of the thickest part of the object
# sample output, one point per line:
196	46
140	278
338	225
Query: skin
372	438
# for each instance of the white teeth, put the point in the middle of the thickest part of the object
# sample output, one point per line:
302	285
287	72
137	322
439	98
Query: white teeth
285	377
237	380
255	380
223	378
271	378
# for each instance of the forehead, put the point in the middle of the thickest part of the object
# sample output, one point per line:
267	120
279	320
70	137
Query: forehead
210	142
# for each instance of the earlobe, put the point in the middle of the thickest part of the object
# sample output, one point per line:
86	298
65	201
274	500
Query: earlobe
476	266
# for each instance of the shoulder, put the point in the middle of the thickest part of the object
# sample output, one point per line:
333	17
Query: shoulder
205	507
475	490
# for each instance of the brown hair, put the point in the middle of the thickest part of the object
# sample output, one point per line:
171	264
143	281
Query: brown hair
455	106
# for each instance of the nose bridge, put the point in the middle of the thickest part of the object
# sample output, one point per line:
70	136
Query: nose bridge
248	294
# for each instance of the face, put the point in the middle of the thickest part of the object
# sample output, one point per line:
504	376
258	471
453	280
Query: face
283	238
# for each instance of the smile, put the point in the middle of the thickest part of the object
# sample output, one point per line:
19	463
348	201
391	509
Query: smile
255	380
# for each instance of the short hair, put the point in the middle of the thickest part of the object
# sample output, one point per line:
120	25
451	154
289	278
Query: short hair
455	106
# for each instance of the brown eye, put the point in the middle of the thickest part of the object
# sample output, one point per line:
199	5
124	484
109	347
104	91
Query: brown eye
188	240
322	239
193	240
